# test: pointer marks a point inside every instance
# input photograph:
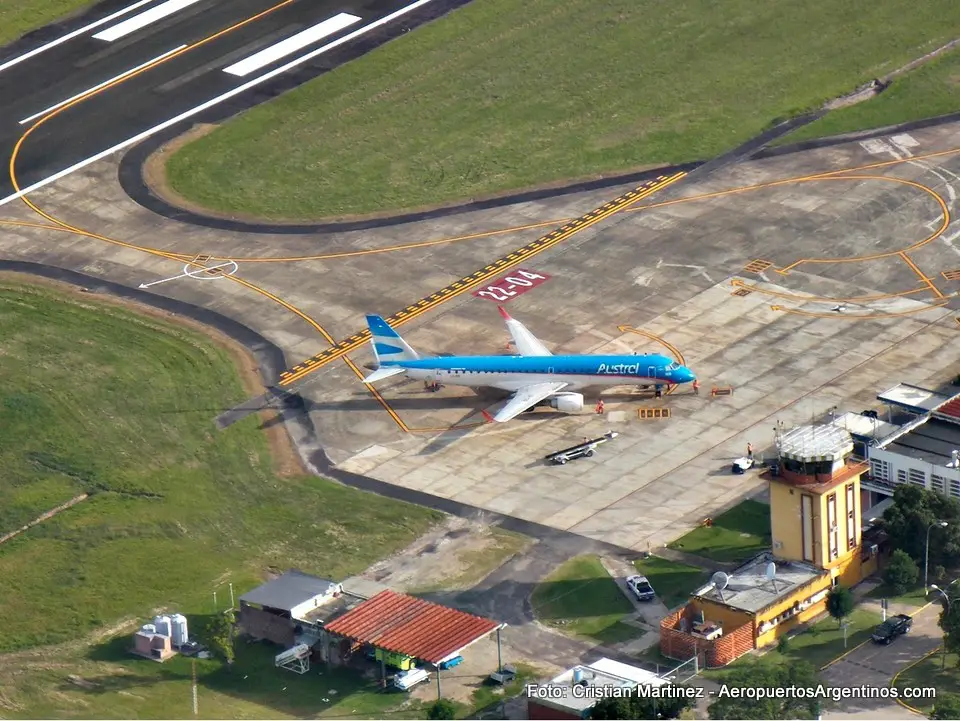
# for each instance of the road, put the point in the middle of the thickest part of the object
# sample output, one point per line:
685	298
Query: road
166	59
874	665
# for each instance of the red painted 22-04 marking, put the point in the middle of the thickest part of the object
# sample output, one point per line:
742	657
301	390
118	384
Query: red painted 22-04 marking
516	283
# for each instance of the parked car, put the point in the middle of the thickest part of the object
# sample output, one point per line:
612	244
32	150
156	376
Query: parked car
891	628
641	588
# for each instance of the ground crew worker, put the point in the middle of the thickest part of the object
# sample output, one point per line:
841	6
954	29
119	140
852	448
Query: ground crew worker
600	407
750	451
696	387
658	391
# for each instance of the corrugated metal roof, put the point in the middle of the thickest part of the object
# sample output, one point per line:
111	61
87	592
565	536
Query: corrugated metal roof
411	626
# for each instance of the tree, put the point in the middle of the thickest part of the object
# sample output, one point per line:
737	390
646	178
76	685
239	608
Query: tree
947	706
640	707
901	572
840	603
950	625
763	675
442	708
219	635
913	511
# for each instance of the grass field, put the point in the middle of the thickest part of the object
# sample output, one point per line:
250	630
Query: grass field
22	16
929	673
913	597
673	582
581	598
736	535
98	399
507	94
107	682
930	90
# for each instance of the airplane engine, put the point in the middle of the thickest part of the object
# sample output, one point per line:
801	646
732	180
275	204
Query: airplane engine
567	402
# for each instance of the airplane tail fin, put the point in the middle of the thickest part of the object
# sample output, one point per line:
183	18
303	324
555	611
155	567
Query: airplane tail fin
388	346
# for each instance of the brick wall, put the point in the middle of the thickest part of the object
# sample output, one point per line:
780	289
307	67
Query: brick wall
682	646
263	624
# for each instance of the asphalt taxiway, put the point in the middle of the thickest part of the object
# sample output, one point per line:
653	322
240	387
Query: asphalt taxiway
741	273
126	71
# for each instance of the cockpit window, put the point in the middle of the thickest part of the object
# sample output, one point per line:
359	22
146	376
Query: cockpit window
673	366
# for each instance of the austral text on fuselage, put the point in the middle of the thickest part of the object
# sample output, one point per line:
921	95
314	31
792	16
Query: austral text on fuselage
620	370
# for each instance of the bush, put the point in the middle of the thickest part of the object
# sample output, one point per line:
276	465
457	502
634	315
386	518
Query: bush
783	644
442	708
901	572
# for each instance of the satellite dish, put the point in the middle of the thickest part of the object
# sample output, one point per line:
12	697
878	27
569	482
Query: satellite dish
720	580
771	571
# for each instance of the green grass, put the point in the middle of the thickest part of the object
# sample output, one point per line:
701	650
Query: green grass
506	94
673	582
95	398
913	597
111	683
22	16
928	674
581	598
736	535
932	89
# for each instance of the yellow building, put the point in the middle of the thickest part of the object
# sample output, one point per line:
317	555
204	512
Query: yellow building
816	529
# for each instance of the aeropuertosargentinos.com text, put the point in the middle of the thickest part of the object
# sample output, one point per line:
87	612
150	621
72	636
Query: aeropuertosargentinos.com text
833	693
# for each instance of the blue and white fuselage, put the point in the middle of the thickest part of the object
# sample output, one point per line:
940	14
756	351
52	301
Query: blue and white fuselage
511	373
532	376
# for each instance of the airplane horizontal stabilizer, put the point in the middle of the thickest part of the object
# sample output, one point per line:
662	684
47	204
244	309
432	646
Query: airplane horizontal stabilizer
381	373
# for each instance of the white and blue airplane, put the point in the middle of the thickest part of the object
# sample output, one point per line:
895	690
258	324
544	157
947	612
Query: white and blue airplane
533	376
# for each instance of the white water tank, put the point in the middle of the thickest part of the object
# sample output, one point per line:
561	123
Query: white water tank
577	675
178	629
163	625
148	628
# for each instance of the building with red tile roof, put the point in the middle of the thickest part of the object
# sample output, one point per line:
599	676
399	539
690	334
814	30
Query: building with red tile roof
411	627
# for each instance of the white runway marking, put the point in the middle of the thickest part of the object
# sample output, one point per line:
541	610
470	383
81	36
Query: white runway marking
292	44
145	18
71	36
197	273
101	85
215	101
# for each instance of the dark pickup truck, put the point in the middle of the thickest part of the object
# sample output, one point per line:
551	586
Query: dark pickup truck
892	627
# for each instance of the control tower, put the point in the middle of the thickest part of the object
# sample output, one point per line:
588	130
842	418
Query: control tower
815	500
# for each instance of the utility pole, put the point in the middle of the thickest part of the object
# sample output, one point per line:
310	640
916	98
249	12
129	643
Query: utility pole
194	665
215	602
231	596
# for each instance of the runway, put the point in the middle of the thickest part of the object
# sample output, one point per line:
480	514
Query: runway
141	68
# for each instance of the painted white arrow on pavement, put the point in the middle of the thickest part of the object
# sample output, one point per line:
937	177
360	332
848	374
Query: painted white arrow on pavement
185	274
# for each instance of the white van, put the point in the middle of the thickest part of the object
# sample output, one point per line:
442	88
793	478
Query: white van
408	679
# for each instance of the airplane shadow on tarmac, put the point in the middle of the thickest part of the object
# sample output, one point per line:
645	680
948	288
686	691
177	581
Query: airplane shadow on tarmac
416	401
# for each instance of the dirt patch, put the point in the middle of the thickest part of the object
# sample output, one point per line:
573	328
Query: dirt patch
286	460
456	554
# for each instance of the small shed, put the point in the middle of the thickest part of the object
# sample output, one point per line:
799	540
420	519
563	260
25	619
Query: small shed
271	611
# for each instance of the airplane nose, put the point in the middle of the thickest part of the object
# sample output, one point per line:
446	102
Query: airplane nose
690	377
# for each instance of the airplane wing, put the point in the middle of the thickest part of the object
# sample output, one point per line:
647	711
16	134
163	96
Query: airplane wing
523	399
527	343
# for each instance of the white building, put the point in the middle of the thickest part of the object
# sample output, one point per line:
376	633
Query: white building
925	454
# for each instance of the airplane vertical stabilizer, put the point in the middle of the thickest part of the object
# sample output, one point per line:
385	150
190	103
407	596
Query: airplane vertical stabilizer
388	346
